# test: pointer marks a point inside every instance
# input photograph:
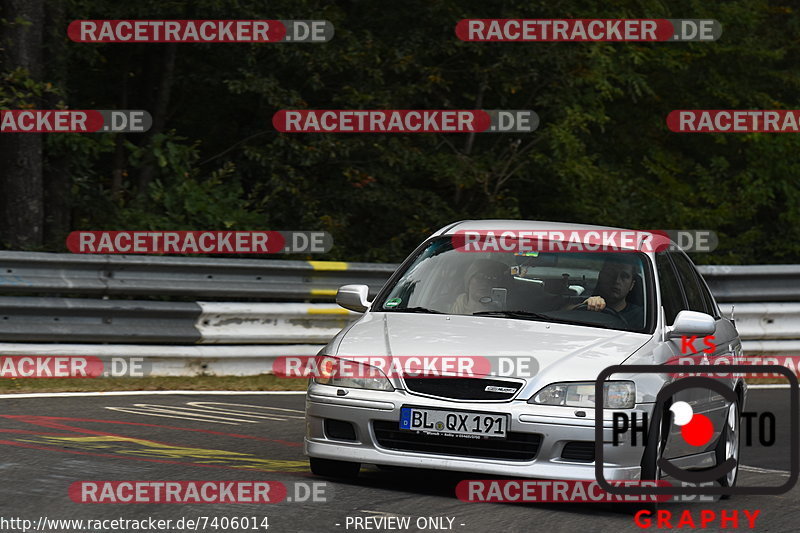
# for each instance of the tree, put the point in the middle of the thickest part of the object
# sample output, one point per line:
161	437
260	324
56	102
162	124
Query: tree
22	201
602	154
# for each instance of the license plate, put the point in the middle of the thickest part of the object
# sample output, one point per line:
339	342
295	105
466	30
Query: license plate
458	423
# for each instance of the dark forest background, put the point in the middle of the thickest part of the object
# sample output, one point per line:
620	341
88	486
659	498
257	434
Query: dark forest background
602	154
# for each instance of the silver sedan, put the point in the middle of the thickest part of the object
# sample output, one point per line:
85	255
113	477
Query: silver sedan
542	322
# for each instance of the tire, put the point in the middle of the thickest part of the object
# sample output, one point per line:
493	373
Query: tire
656	442
729	446
334	469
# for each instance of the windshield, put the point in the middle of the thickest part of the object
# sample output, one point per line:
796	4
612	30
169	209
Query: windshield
598	289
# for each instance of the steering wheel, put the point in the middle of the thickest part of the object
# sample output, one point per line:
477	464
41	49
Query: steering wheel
608	310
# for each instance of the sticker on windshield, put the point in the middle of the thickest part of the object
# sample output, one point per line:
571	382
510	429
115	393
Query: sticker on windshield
394	302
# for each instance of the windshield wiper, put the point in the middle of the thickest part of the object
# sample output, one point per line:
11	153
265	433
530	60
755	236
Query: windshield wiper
529	315
413	310
592	324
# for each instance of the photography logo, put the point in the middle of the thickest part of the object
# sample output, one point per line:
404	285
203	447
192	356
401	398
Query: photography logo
696	429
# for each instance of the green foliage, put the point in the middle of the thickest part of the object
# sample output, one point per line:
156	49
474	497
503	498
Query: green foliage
602	154
19	91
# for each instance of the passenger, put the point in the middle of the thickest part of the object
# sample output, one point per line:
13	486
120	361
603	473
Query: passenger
482	276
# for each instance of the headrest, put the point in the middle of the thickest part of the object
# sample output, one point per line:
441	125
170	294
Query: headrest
636	296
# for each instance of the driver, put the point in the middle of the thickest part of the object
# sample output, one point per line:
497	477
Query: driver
616	280
482	276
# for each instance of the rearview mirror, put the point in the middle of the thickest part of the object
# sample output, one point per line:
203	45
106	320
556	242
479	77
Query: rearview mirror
691	323
353	297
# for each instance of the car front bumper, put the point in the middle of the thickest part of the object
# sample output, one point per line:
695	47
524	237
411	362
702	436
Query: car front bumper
556	425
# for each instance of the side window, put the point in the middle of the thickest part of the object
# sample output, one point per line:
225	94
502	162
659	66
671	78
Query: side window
671	297
710	305
691	285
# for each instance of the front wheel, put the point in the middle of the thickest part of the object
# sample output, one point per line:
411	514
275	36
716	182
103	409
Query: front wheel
728	447
333	468
656	442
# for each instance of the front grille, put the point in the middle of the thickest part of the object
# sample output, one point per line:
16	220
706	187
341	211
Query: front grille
579	450
462	388
515	447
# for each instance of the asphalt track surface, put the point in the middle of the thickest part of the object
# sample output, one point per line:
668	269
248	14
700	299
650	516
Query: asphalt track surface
46	444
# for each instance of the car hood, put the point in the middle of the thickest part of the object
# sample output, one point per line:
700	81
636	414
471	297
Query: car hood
560	352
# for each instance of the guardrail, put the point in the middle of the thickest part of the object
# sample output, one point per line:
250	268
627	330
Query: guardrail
753	283
273	323
768	321
76	320
197	278
236	337
89	320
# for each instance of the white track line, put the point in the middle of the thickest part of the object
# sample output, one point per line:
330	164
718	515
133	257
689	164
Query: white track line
764	470
144	392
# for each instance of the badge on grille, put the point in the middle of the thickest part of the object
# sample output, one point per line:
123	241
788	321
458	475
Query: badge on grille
492	388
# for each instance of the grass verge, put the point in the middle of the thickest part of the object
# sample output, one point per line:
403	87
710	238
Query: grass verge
233	383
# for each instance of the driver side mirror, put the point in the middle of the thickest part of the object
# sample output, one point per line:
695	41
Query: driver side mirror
353	297
691	323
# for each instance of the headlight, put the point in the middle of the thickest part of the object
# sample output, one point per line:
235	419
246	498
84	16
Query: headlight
617	395
339	372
